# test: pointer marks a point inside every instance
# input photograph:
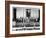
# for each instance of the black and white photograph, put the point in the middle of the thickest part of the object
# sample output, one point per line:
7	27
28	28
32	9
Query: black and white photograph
25	19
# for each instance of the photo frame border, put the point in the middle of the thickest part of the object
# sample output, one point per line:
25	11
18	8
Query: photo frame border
7	18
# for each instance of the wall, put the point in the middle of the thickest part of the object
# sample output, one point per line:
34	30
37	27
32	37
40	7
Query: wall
2	19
